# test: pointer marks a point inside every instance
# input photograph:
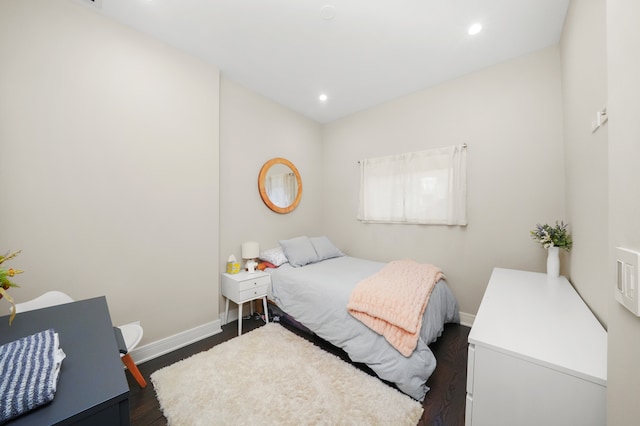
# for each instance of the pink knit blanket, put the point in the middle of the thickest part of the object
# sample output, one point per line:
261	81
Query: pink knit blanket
392	301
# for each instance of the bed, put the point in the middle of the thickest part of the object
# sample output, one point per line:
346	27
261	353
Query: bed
316	295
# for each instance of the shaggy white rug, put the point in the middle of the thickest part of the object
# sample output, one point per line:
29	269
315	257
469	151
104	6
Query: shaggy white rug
270	376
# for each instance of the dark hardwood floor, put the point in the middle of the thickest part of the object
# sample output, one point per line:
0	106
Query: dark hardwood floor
444	404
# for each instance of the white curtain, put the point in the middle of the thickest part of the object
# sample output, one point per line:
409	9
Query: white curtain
425	187
282	189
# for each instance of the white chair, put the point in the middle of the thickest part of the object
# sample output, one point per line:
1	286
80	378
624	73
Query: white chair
50	298
131	333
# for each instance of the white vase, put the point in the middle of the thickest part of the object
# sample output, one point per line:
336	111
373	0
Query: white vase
553	262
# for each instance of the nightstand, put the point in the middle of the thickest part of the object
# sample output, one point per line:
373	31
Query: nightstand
245	287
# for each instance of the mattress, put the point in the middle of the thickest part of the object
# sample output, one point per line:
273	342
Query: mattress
316	296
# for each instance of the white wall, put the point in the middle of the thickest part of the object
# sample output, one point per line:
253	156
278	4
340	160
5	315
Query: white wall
511	117
584	83
623	45
109	166
253	130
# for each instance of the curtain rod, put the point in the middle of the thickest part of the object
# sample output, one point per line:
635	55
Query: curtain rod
464	145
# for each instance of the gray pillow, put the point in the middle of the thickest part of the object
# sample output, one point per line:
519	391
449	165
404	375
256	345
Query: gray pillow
325	248
299	251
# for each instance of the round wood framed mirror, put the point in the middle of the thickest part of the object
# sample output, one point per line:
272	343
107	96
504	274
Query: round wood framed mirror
280	185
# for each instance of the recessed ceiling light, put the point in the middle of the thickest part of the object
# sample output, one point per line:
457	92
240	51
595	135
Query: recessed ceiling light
323	97
328	12
475	29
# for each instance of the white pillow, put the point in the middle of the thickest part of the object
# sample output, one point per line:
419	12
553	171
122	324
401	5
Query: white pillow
325	248
299	251
274	256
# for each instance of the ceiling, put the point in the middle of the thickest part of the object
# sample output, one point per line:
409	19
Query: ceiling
360	53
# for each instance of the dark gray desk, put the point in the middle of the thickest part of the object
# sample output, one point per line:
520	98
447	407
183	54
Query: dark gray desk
92	388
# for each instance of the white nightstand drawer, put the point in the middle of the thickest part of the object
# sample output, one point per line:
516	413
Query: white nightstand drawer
253	283
252	293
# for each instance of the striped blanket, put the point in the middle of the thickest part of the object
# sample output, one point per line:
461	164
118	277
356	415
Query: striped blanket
29	369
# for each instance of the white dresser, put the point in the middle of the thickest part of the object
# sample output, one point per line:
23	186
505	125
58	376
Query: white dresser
537	355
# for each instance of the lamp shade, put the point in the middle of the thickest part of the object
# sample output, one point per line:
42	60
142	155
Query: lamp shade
250	250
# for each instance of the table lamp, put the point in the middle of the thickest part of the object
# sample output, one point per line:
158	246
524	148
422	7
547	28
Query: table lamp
250	251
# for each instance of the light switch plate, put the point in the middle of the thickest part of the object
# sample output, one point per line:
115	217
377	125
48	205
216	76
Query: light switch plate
626	288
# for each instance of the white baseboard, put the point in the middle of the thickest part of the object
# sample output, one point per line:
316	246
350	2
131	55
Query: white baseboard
177	341
467	319
233	316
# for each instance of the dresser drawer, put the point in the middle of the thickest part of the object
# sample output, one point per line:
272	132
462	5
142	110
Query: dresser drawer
253	283
468	411
471	359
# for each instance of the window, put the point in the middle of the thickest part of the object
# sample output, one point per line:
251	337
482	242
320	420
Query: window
426	187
